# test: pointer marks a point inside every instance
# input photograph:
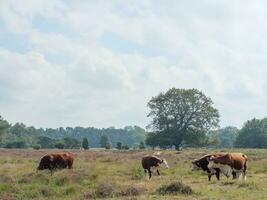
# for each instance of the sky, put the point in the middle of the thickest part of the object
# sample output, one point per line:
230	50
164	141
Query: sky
98	63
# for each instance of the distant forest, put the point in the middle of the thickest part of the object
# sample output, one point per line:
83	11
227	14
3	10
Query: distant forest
252	135
21	136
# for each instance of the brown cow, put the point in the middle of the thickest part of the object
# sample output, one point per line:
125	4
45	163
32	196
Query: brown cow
231	162
56	161
202	164
149	162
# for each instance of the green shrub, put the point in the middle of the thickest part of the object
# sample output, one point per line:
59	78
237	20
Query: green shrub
60	145
119	145
37	146
125	146
138	173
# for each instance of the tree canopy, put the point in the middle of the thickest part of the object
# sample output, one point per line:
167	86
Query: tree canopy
253	134
180	115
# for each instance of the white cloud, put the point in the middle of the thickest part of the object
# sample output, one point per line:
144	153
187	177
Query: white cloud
68	77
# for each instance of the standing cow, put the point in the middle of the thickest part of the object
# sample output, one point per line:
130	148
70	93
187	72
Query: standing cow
149	162
229	163
56	161
203	162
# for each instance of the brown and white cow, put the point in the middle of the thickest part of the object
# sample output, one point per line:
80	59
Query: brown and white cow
56	161
229	163
150	162
202	164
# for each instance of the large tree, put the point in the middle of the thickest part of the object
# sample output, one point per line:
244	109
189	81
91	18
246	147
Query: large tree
181	115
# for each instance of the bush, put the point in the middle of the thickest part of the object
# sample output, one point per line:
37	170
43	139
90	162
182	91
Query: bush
18	144
142	145
108	146
175	188
125	146
105	189
131	191
37	147
59	145
119	145
138	173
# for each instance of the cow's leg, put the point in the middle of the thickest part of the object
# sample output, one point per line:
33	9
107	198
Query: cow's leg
70	165
244	172
217	173
146	174
150	173
234	175
244	176
158	172
239	175
209	176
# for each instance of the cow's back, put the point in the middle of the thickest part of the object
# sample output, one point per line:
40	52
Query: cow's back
150	161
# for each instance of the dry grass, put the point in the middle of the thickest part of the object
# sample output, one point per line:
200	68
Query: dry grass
118	175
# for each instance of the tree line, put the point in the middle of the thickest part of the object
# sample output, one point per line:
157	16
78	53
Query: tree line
21	136
179	118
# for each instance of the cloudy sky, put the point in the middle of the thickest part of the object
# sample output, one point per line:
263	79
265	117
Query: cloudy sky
97	63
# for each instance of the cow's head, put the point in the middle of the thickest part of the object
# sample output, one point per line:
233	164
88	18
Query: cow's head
195	165
164	162
40	167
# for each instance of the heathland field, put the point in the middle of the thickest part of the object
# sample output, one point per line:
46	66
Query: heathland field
118	175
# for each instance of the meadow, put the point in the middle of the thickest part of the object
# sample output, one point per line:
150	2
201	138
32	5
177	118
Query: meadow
113	174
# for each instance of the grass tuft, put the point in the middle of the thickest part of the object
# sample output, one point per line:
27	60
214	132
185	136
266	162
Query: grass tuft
131	191
250	185
138	173
106	189
175	188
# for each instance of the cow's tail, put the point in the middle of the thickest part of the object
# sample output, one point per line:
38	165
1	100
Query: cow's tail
245	166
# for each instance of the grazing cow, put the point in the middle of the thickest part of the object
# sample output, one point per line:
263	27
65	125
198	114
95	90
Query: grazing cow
149	162
229	163
203	162
56	161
